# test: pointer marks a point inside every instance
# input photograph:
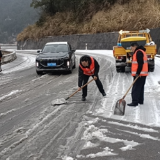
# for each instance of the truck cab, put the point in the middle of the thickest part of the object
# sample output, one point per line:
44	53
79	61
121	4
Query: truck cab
123	54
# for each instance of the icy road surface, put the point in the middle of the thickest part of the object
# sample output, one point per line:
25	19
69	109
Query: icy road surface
32	129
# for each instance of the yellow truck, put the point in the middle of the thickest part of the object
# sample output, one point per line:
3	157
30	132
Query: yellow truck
123	54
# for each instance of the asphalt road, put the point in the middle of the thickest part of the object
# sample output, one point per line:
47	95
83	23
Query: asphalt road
32	129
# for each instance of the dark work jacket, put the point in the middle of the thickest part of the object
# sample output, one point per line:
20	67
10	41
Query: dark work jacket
140	59
80	74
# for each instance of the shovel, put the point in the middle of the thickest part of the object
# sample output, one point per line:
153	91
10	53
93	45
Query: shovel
63	100
121	103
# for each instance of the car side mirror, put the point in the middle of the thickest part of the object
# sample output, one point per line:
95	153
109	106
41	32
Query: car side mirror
39	51
73	50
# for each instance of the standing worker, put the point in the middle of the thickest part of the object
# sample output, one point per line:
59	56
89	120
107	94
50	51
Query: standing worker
88	67
0	58
139	68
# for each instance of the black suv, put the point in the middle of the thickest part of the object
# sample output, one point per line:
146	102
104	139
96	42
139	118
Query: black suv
55	56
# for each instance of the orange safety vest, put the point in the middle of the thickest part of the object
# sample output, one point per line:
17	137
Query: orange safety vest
134	68
89	71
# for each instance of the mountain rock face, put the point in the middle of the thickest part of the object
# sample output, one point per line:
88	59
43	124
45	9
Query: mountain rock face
15	16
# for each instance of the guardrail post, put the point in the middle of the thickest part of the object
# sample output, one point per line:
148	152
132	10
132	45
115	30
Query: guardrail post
86	46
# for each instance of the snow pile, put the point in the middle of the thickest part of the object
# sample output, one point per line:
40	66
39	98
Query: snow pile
9	94
92	132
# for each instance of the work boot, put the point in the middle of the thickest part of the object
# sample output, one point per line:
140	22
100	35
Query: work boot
104	94
83	98
132	104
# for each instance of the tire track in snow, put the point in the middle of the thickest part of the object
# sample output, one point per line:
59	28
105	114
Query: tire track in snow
24	93
47	127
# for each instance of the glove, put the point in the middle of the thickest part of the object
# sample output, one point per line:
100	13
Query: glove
95	78
79	89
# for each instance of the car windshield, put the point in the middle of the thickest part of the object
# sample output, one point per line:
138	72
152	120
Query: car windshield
54	48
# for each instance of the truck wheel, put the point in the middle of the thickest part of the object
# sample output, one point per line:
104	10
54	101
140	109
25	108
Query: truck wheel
118	69
122	69
151	69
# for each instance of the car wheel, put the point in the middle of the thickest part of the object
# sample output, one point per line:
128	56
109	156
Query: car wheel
70	71
39	72
71	67
74	64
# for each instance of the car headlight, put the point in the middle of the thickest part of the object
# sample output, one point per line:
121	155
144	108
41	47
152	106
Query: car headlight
68	63
37	64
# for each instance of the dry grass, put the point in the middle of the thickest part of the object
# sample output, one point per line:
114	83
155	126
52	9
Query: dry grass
135	15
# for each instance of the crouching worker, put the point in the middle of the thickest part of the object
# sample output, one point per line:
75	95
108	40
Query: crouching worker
88	67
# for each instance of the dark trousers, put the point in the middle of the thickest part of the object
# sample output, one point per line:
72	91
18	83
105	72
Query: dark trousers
138	90
98	83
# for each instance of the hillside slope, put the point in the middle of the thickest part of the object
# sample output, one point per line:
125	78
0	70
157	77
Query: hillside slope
133	15
15	16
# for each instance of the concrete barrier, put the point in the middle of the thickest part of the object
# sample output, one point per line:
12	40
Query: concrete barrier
77	41
8	56
83	41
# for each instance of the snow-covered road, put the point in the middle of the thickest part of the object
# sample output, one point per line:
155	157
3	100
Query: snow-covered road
32	129
149	113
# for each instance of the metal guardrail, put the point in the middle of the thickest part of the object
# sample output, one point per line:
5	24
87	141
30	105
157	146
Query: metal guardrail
9	53
8	46
8	56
